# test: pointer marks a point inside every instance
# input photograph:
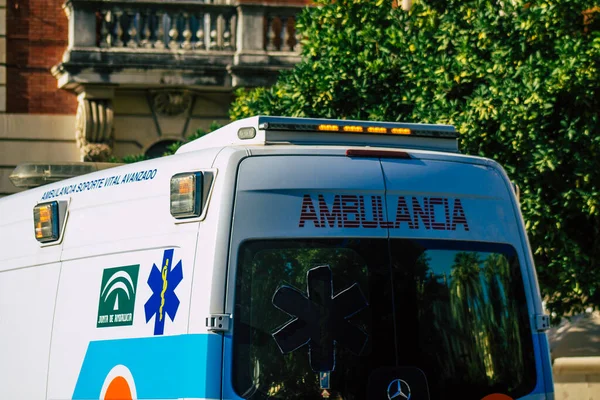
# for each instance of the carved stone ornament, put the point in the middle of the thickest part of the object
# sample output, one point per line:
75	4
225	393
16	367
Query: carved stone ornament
171	103
94	129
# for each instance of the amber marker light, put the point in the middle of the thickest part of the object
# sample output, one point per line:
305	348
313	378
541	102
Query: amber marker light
186	195
349	128
401	131
330	128
376	129
45	221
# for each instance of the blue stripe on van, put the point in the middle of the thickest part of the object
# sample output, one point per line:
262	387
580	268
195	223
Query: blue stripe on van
166	367
540	378
544	362
228	391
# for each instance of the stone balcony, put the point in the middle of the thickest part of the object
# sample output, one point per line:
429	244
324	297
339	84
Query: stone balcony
148	73
192	43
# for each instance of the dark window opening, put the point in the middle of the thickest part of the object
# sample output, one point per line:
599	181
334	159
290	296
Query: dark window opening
159	149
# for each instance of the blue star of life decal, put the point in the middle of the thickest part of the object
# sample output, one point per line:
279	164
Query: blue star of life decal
163	301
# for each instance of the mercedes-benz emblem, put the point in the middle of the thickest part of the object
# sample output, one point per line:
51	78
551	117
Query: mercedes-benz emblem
398	389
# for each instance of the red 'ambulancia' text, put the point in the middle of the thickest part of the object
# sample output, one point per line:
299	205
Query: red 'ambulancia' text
357	211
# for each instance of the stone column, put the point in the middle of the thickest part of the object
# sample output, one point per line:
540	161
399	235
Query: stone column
2	56
94	128
82	20
250	38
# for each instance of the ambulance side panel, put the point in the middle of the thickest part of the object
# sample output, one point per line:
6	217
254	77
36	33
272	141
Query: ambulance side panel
26	309
99	337
122	318
28	282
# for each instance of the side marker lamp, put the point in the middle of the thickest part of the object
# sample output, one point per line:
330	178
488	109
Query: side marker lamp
247	133
186	195
46	222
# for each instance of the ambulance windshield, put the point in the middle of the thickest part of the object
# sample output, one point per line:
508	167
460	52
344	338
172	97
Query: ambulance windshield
343	309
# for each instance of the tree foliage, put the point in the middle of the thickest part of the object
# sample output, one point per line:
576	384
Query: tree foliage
520	81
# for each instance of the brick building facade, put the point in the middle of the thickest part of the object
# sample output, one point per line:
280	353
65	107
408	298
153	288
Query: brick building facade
82	80
37	35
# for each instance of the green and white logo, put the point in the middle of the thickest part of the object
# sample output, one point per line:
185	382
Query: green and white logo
117	296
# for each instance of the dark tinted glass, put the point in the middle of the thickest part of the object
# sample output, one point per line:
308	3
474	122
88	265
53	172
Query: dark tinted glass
460	317
260	368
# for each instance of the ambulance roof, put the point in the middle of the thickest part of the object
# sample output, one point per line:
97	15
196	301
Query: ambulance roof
267	130
269	134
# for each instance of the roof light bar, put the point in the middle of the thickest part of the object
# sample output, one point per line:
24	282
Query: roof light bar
377	128
29	175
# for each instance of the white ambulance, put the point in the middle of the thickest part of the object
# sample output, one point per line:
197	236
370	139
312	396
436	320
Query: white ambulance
276	257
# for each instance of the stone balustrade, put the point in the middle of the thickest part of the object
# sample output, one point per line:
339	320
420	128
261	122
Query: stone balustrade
200	29
281	33
177	42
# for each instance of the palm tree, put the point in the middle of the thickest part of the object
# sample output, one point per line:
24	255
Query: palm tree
467	303
503	315
466	286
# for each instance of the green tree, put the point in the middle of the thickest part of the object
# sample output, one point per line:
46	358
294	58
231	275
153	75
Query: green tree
519	79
